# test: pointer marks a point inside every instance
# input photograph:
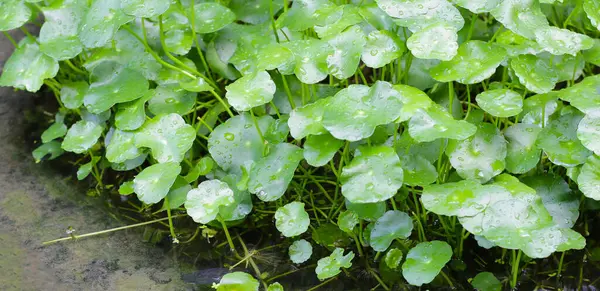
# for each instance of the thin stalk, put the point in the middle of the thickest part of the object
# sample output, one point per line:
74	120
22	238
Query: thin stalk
226	231
171	228
322	284
223	103
11	39
76	69
195	39
515	268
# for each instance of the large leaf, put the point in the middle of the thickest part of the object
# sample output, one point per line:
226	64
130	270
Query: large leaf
559	140
210	17
522	153
203	203
589	178
82	136
425	261
152	184
15	13
480	157
374	175
58	35
167	136
381	48
347	50
435	122
238	281
28	67
436	41
145	8
250	91
500	102
392	225
320	149
588	132
474	62
291	219
559	200
271	175
354	112
536	74
101	22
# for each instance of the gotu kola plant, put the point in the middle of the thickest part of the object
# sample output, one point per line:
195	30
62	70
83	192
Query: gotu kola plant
408	127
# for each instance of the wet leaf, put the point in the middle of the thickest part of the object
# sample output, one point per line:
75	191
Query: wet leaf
334	21
584	95
82	136
250	91
588	132
435	122
145	8
58	35
171	99
392	225
300	251
393	258
255	11
28	67
202	203
367	211
271	175
120	146
536	74
477	6
500	102
522	153
425	261
307	120
101	22
522	17
436	41
418	171
374	175
177	194
558	199
291	219
131	115
589	178
56	130
559	140
320	149
14	14
167	136
52	148
152	184
347	220
416	15
462	198
592	8
559	41
310	58
381	48
347	50
329	266
211	17
303	13
485	281
71	94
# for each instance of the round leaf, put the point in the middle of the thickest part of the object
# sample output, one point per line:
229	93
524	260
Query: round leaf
58	35
167	136
291	219
589	178
14	14
425	261
367	211
238	281
392	225
145	8
559	141
300	251
101	22
310	59
81	136
435	122
557	197
437	41
347	220
170	98
559	41
347	49
255	11
500	102
522	153
307	119
320	149
210	17
270	176
393	258
588	132
381	48
536	74
202	203
152	184
250	91
28	67
120	146
71	94
485	281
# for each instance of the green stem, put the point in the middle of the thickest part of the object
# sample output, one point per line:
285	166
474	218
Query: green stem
322	284
11	39
171	228
226	231
515	268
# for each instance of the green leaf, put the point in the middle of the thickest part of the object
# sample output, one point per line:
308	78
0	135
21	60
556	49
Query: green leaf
522	153
354	112
202	203
71	94
417	15
392	225
101	22
474	62
334	21
238	281
535	73
477	6
592	8
170	98
485	281
329	266
559	41
330	236
52	148
320	149
82	136
85	169
211	17
374	175
144	8
251	91
201	168
14	14
310	59
307	119
584	95
500	102
479	157
271	175
588	132
537	109
236	143
28	67
275	287
367	211
592	55
589	178
179	41
304	13
242	204
126	188
522	17
413	99
558	199
435	122
177	194
291	219
129	164
56	130
393	258
559	140
381	48
347	220
418	171
112	84
425	261
167	136
152	184
300	251
436	41
462	198
120	146
419	72
58	35
255	11
132	115
347	50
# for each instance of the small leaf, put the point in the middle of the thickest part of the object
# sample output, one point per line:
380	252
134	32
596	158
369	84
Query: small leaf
170	98
435	122
306	120
291	219
347	50
479	157
275	287
210	17
425	261
559	141
393	258
300	251
536	74
167	136
144	8
334	21
310	59
56	130
477	6
354	112
329	266
347	220
367	211
271	175
436	41
589	178
28	67
52	148
152	184
81	136
126	188
304	13
392	225
320	149
475	61
522	153
592	8
255	11
250	91
584	95
418	171
485	281
588	132
374	175
381	48
71	94
120	146
201	168
417	15
202	203
238	281
462	198
14	14
101	22
132	115
500	102
414	99
177	194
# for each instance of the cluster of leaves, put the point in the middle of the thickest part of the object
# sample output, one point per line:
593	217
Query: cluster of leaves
329	113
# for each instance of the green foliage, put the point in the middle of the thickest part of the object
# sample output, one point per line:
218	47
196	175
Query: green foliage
344	124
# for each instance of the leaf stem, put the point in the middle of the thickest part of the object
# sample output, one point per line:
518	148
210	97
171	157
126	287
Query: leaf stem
11	39
171	228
